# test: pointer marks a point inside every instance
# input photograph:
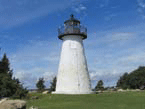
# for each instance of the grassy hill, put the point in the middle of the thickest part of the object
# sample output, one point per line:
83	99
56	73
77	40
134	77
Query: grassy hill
109	100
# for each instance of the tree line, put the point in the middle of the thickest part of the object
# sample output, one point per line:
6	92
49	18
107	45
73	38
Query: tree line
132	80
41	87
11	86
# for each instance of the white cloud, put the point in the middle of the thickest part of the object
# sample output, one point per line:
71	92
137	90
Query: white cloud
30	77
49	76
14	13
17	12
83	7
110	54
34	60
37	50
141	3
79	8
121	36
102	3
110	17
141	8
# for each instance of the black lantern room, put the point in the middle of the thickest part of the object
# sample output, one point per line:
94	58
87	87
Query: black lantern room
72	27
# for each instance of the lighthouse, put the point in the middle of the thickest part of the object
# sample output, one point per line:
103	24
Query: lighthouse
73	76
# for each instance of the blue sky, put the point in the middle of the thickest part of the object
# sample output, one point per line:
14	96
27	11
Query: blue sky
115	43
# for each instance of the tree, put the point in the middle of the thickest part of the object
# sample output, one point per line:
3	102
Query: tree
8	85
99	86
5	64
53	84
133	80
40	84
122	82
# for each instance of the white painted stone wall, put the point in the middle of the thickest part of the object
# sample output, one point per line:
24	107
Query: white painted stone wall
73	76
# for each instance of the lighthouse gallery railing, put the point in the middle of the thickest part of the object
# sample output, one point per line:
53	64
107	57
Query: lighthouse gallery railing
64	30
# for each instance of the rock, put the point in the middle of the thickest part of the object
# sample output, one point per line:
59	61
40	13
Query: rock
120	90
13	104
137	90
35	97
4	99
45	92
33	107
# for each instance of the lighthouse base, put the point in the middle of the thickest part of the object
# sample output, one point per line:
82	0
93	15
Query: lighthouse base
73	92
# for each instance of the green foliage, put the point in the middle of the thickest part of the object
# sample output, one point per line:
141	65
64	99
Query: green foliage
5	64
40	84
99	85
134	80
53	84
9	86
122	82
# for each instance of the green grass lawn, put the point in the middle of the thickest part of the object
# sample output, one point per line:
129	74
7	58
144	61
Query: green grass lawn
109	100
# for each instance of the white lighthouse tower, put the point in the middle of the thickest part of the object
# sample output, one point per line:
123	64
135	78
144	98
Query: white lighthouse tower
73	76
